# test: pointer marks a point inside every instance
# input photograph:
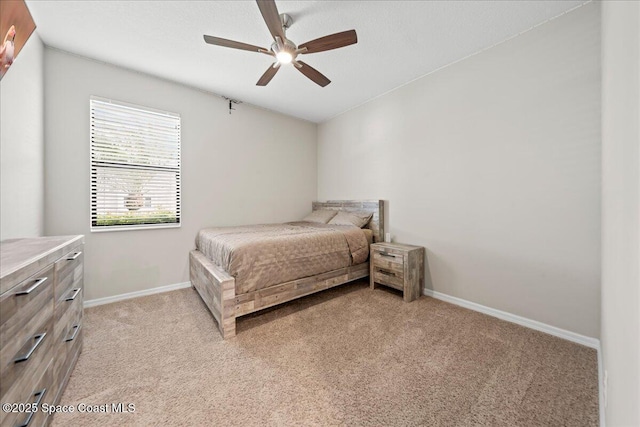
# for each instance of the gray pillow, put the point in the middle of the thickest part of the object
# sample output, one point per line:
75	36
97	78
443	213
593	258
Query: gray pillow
359	219
321	216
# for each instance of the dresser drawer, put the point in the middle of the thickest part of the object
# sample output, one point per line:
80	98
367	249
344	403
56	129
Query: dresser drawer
28	364
69	273
65	359
67	332
23	301
68	315
26	319
39	393
73	298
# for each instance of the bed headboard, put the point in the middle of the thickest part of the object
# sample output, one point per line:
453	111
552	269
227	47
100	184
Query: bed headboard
376	224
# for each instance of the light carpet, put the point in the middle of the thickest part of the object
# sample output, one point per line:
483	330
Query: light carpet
347	356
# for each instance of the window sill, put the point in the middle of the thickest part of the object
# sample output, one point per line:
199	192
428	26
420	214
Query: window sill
105	229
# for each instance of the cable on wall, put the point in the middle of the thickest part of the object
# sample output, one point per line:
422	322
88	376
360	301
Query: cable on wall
231	102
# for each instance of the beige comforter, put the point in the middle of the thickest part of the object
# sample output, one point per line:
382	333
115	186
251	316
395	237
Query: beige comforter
259	256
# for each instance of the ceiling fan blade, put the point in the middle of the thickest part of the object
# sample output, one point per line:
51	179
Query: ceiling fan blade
233	44
268	75
333	41
271	17
312	73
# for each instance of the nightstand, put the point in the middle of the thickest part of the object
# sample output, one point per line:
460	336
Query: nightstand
398	266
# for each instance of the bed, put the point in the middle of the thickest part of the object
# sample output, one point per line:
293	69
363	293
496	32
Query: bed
240	270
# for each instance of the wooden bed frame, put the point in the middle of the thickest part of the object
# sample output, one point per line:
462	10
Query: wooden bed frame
218	289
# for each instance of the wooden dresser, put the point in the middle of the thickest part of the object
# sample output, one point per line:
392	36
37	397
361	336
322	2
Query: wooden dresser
398	266
41	294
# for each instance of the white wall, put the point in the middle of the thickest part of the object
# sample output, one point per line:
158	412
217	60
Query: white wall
492	164
252	166
21	144
621	210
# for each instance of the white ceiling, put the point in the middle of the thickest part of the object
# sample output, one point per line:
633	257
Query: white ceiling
398	41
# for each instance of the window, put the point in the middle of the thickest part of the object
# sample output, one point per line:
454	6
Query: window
135	167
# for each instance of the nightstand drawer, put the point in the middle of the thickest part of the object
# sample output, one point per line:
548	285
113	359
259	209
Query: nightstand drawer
387	256
393	267
388	278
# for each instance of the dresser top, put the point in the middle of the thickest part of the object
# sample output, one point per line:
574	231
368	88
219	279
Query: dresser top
20	258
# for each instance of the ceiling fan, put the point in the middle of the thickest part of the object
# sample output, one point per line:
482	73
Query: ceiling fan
283	49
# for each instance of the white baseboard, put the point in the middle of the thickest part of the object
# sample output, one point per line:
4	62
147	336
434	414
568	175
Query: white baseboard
523	321
136	294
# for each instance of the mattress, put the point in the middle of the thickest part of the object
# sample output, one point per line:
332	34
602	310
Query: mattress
260	256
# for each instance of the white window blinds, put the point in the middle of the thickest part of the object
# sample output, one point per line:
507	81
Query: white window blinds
135	166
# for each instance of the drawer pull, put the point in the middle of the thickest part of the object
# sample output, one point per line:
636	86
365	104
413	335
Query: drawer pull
38	395
37	341
33	287
74	256
76	328
387	254
386	272
75	294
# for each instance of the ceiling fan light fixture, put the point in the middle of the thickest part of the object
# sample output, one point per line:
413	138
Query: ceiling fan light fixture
284	57
284	50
